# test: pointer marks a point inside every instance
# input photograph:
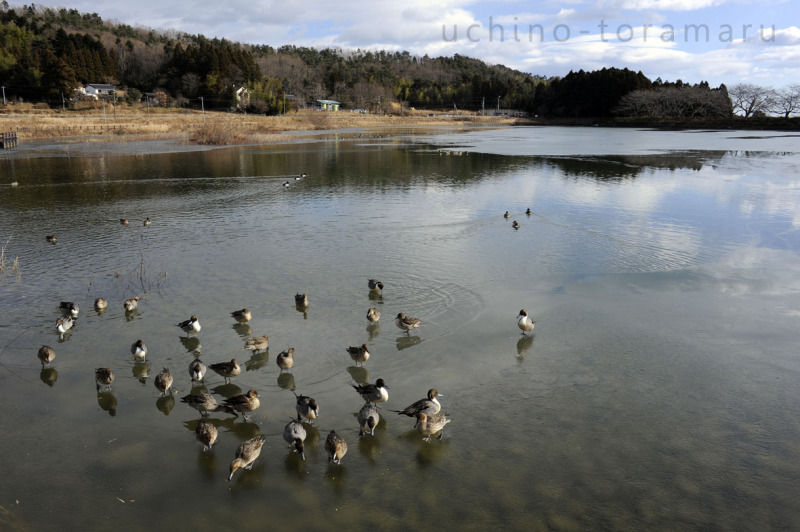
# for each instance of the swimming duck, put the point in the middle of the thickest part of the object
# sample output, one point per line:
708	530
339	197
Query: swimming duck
301	300
246	454
359	354
373	315
70	308
64	324
242	316
295	434
103	377
285	359
139	350
506	214
286	184
227	369
197	370
515	224
375	284
204	403
368	419
100	304
206	433
123	221
301	176
46	354
407	323
336	447
429	406
192	325
430	425
130	304
524	322
373	393
147	222
307	407
529	211
244	403
257	343
163	381
51	238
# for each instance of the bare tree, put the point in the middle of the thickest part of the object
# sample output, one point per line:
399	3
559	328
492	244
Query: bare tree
787	100
751	99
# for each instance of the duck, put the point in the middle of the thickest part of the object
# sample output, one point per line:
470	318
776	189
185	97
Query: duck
407	323
359	353
301	176
529	211
206	433
204	403
336	447
192	325
257	343
373	393
123	221
163	381
130	304
227	369
286	184
244	403
70	308
51	238
103	377
197	370
100	304
46	354
524	322
301	300
307	407
147	222
139	350
515	224
295	434
285	359
429	405
373	315
246	454
506	214
428	425
64	324
374	284
368	419
242	316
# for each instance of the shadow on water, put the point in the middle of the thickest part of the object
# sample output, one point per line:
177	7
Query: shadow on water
373	329
108	402
404	342
524	345
165	403
257	361
49	376
242	329
286	381
191	344
359	374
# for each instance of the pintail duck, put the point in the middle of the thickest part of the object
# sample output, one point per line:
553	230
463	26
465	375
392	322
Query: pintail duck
46	354
373	393
163	381
285	359
336	447
246	454
130	304
529	211
192	325
430	425
515	224
506	214
407	323
147	222
373	315
359	353
524	322
301	300
123	221
100	304
368	419
204	403
429	406
197	370
51	238
64	324
103	377
257	343
69	308
206	433
244	403
295	434
139	350
374	284
227	369
242	316
307	407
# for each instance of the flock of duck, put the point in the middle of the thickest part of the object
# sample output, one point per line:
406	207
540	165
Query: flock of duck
429	419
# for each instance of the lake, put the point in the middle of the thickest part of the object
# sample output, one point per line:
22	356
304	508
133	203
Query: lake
659	390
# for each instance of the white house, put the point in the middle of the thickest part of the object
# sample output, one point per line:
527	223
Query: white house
98	90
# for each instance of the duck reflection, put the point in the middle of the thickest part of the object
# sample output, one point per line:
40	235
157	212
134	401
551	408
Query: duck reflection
165	404
107	402
131	315
243	430
302	309
373	329
359	374
141	370
227	390
257	361
242	329
524	344
430	453
312	436
404	342
286	381
208	464
375	295
336	475
49	375
191	344
63	337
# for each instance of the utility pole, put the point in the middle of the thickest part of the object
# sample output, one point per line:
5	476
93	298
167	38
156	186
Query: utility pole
284	103
62	102
483	105
498	105
4	94
203	108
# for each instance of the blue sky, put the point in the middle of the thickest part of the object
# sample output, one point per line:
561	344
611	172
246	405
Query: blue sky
662	38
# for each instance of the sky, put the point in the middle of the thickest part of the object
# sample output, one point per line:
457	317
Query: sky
719	41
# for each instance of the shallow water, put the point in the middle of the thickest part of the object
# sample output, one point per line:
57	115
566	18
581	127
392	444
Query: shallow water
659	390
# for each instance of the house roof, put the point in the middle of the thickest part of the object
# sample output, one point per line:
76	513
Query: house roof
334	102
101	86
